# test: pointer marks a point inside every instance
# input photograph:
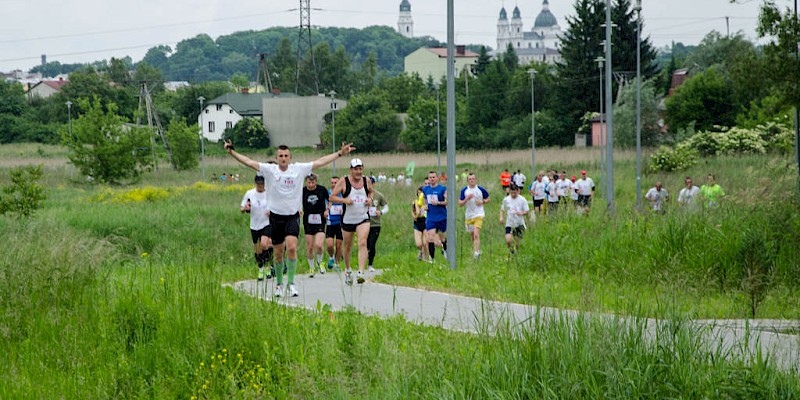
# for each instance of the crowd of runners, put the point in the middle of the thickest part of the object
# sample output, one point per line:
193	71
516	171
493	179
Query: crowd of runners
287	193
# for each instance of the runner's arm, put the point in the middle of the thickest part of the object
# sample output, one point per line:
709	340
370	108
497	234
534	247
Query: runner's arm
325	160
239	157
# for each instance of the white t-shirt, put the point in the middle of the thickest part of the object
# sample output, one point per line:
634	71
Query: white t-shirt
657	197
584	186
572	186
562	187
258	208
552	193
538	190
510	207
357	212
686	195
519	179
474	210
285	188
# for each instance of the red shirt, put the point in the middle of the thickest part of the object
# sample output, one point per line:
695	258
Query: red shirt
505	178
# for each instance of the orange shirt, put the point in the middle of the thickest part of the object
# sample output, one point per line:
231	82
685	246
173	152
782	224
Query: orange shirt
505	178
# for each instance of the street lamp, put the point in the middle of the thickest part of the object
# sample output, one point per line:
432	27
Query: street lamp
638	8
333	128
438	135
533	127
600	141
69	129
202	140
609	115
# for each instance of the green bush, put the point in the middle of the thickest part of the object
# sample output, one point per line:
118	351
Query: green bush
24	195
249	132
667	159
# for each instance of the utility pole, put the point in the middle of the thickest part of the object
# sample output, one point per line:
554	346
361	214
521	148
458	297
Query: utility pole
609	116
600	62
202	140
452	248
438	135
333	128
533	127
69	127
152	115
638	8
262	74
304	39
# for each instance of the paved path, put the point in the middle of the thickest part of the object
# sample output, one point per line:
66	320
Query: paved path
470	314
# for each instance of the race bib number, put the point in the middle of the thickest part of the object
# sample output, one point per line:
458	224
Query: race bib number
432	199
315	219
336	209
359	199
373	211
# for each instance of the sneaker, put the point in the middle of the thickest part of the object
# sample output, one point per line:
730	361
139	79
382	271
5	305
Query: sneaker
371	269
444	254
293	291
336	267
278	291
271	272
476	255
285	269
360	277
321	268
330	264
260	274
348	277
419	255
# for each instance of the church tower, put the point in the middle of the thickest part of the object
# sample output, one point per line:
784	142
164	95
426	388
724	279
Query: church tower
405	25
503	32
547	27
516	29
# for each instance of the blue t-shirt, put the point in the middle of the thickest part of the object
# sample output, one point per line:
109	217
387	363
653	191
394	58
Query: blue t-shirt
335	213
436	213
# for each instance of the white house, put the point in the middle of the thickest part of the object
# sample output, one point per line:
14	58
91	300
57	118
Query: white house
45	89
433	62
226	110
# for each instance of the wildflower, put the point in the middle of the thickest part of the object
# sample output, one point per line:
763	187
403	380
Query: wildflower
145	254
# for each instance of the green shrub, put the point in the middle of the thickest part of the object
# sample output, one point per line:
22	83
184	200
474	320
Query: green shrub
24	195
667	159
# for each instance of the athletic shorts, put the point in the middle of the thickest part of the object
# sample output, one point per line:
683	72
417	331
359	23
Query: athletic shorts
333	231
256	234
476	222
352	227
538	203
552	205
419	224
313	229
283	226
518	231
440	226
506	187
584	200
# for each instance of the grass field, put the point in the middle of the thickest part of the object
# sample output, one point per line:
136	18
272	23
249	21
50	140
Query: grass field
116	292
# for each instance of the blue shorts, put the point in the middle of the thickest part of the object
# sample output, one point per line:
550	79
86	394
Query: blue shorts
440	226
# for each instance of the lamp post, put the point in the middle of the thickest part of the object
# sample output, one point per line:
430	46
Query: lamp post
533	126
333	128
201	99
438	134
69	129
638	8
600	62
609	116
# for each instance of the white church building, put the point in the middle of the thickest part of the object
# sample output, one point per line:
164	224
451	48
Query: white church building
405	25
540	43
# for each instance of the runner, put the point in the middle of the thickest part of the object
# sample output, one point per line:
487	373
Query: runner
474	197
356	195
563	186
687	194
585	189
333	230
315	198
712	192
436	223
379	207
505	180
658	197
537	191
254	203
419	214
552	197
514	209
284	185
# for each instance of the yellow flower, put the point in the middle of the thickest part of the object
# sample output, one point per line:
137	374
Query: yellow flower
145	255
162	280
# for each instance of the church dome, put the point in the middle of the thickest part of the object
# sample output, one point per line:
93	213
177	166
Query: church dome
405	5
515	13
545	19
503	14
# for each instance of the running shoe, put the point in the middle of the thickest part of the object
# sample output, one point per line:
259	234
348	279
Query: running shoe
360	277
419	255
320	267
260	274
293	291
330	263
348	277
271	272
371	269
278	291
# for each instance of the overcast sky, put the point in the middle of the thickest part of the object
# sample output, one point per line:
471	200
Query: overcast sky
87	30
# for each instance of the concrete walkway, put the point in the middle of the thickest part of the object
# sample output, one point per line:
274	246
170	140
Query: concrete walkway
470	314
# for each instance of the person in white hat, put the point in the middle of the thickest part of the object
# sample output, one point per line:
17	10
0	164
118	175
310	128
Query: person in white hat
284	185
356	196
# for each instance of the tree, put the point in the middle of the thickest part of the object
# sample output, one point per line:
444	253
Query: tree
482	62
705	99
12	98
487	108
369	122
420	132
781	52
23	195
249	132
402	90
510	58
101	147
183	140
625	115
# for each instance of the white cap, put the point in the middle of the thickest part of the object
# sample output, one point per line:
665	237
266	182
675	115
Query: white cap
356	162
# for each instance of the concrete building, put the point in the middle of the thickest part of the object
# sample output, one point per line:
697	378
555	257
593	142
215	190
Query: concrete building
540	44
297	121
405	25
45	89
433	62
